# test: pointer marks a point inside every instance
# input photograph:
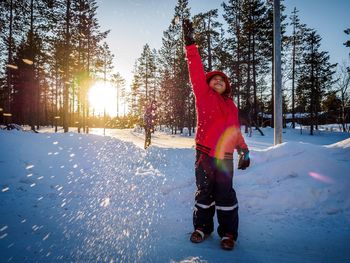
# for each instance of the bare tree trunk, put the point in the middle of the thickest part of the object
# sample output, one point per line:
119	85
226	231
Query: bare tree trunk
272	91
38	108
312	102
9	73
31	69
56	98
209	46
255	102
293	71
248	68
237	66
66	83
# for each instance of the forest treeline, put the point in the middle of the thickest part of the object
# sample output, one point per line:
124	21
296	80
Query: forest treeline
52	52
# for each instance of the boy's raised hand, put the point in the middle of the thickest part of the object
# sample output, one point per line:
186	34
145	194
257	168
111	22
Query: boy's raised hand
188	32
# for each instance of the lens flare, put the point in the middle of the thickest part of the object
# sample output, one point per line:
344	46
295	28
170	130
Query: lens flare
224	147
226	142
321	177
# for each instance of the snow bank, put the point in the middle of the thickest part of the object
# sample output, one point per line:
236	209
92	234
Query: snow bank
298	178
341	144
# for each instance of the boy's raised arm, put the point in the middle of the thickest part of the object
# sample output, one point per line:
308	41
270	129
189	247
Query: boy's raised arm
194	62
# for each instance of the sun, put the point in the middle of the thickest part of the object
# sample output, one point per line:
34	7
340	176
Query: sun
103	97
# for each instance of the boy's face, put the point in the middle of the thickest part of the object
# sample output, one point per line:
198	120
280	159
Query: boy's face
218	84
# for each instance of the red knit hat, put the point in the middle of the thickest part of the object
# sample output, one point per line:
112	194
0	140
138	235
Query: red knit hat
211	74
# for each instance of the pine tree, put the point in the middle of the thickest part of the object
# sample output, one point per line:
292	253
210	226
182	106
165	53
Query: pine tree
268	48
49	67
134	100
246	45
317	76
298	32
119	83
26	84
11	24
174	73
233	17
146	71
332	105
33	52
209	39
167	72
347	43
104	64
343	85
81	53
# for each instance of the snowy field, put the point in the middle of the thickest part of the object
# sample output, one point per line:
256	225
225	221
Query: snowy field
91	198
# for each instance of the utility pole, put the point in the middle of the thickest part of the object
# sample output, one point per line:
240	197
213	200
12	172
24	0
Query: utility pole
277	73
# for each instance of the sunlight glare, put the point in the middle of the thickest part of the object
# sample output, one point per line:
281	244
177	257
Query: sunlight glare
103	96
322	178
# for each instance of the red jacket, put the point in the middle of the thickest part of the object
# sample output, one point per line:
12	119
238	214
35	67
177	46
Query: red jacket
218	129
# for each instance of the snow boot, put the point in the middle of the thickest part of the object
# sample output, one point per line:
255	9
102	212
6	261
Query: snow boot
227	242
198	236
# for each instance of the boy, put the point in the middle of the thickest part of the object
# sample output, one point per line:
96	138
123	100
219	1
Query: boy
218	134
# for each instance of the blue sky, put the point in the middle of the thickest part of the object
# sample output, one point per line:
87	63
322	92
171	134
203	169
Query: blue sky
133	23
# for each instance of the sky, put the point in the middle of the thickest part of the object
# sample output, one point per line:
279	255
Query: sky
133	23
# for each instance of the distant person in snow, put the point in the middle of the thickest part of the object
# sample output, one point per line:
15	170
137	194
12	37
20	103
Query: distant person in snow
218	134
149	119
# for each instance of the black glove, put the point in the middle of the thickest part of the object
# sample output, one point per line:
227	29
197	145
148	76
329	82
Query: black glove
188	32
243	159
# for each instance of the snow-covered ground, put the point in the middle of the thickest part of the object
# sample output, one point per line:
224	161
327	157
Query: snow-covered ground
89	198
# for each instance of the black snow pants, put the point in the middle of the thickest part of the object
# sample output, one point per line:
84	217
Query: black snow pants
214	190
